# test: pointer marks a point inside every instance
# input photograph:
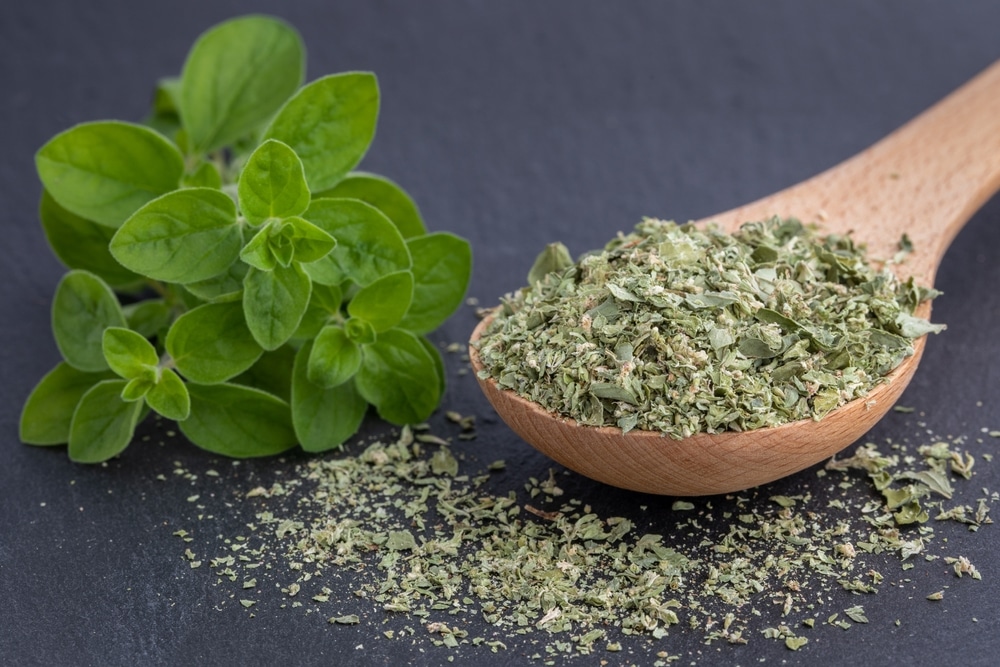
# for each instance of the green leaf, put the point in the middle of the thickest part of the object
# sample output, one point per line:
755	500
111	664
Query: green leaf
325	272
384	302
274	302
137	388
438	362
383	194
237	75
128	353
103	424
335	358
211	343
83	307
169	396
82	244
399	377
327	297
104	171
183	237
360	331
238	421
323	304
148	318
223	285
205	175
282	248
368	245
309	242
323	418
272	373
168	90
329	124
163	116
46	416
442	265
257	252
273	184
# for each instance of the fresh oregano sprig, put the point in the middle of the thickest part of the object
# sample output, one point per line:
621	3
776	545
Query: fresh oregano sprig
271	292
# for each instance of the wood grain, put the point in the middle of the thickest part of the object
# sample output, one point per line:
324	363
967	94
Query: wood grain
926	180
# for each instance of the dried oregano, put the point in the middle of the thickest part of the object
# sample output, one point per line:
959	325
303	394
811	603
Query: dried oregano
425	545
685	329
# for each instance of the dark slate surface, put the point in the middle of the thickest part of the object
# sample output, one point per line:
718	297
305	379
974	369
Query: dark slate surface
513	124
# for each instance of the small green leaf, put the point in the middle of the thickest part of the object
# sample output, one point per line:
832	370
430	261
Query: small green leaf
329	124
272	373
168	90
47	413
128	353
399	377
169	396
103	424
309	242
368	245
438	362
323	304
384	195
323	418
237	75
281	246
182	237
335	358
82	244
83	307
223	285
238	421
384	302
360	331
205	175
148	318
327	297
257	252
137	388
211	343
273	184
325	272
106	170
163	116
274	302
442	265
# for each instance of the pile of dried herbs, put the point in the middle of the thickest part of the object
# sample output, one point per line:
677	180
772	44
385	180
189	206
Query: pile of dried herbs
682	329
467	561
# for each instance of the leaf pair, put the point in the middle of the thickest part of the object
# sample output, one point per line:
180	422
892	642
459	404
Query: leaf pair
338	351
134	358
245	71
400	373
280	242
78	402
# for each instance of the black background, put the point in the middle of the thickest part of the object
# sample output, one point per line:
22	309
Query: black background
512	124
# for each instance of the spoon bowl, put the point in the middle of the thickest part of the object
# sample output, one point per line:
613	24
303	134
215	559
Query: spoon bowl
926	180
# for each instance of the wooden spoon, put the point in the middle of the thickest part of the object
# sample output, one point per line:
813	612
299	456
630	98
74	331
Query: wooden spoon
925	179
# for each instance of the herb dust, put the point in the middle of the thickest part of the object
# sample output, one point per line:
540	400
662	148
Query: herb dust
682	329
396	537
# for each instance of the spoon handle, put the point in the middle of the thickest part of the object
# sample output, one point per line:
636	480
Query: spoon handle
926	179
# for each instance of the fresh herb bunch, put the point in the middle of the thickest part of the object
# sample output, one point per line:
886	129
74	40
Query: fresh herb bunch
273	293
